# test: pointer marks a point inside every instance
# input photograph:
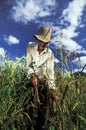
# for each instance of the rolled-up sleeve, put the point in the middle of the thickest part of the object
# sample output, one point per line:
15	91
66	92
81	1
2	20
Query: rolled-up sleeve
50	72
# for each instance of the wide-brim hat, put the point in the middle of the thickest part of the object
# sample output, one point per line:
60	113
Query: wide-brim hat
44	34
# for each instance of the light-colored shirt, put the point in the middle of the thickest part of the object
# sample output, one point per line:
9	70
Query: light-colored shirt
41	64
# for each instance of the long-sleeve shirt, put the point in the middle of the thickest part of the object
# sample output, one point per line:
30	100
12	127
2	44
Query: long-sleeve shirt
41	64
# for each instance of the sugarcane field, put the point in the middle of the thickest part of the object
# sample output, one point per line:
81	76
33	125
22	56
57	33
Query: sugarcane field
67	113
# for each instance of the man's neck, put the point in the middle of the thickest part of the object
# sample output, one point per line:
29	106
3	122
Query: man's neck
39	50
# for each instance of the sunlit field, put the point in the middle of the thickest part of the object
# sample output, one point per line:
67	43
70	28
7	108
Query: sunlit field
69	112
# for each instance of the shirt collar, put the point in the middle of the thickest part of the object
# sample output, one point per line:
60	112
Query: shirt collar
44	51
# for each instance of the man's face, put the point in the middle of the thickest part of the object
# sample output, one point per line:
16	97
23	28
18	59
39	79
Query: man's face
41	45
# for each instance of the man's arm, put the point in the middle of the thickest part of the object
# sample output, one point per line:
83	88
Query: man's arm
29	66
51	77
50	72
29	60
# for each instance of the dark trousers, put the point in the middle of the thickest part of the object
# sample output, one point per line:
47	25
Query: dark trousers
37	106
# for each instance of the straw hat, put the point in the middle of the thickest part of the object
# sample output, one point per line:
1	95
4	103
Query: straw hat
44	34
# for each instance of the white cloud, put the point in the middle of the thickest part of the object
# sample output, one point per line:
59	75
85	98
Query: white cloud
69	32
72	15
81	51
74	12
56	60
2	52
25	11
31	10
11	40
81	62
64	38
79	70
70	44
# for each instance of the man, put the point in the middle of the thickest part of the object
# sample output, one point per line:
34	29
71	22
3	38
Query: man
40	64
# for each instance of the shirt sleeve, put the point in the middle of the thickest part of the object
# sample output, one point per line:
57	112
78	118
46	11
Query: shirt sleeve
50	72
29	60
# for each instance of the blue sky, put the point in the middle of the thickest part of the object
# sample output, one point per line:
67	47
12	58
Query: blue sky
20	19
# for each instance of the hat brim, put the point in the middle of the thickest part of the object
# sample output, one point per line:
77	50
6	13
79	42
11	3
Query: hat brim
40	37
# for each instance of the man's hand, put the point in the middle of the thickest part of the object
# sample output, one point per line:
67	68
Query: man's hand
34	80
54	96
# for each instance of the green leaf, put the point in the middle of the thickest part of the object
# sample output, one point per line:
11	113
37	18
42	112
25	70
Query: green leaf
52	127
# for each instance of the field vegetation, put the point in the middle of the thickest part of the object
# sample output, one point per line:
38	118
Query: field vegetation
69	113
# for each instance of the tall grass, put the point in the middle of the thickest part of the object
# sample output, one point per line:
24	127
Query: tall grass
13	82
69	111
